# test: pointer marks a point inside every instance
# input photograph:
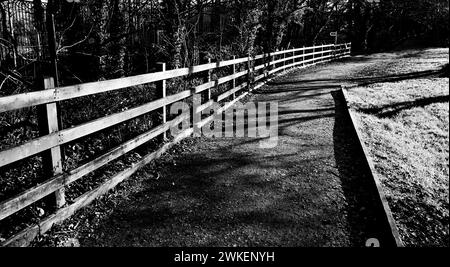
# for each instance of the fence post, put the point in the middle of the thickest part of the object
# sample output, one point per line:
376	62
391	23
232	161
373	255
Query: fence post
53	159
303	57
209	79
234	79
321	55
293	57
334	52
161	93
249	74
253	68
274	66
271	60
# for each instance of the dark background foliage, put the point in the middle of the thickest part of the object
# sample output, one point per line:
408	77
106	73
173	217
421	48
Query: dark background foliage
101	39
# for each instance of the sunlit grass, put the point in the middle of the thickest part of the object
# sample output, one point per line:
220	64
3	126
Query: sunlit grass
405	125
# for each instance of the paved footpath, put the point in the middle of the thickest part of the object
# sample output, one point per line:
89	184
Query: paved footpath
310	190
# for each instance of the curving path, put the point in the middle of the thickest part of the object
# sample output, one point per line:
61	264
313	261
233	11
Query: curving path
311	190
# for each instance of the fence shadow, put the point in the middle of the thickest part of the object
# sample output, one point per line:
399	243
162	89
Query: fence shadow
363	81
202	202
388	111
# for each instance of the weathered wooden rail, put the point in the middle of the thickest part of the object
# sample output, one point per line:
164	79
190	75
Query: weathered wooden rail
255	74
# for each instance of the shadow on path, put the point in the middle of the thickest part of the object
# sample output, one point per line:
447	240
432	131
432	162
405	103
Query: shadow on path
364	81
312	189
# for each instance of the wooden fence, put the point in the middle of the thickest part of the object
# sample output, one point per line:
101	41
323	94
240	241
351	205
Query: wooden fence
255	77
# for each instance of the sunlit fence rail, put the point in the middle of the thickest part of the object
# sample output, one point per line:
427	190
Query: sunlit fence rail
255	71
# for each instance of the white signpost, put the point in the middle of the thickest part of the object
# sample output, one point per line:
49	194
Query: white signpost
335	34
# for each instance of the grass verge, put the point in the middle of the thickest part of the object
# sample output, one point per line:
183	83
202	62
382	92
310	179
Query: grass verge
405	126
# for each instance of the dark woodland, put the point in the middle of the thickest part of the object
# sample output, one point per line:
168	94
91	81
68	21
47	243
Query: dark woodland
92	39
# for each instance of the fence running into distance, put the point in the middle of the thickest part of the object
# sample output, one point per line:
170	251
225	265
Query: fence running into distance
271	63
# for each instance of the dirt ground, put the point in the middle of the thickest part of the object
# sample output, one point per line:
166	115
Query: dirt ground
310	190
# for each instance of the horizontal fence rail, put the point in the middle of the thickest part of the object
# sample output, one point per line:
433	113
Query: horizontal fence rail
274	62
